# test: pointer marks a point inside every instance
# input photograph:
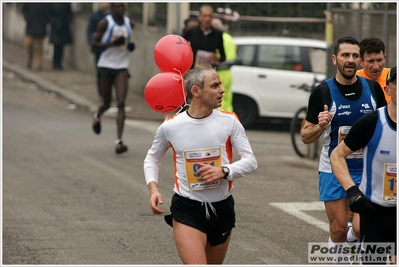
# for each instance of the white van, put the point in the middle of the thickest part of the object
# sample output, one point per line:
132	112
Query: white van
269	72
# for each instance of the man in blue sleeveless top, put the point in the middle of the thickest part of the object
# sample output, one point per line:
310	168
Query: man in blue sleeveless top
333	107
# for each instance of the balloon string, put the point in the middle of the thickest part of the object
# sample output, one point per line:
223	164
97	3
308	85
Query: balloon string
182	86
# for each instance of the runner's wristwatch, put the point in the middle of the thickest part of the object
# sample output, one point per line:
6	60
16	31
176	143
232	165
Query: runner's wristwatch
226	171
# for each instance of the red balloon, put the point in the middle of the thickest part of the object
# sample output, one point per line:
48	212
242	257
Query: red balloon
173	52
164	92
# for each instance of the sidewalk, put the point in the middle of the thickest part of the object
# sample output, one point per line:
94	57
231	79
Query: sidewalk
76	86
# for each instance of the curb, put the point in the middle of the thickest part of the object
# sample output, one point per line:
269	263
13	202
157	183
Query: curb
50	86
80	101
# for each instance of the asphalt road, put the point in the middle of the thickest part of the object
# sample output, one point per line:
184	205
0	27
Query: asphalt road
69	199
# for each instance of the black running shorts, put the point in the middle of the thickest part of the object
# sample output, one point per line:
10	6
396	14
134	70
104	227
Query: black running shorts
109	74
193	214
379	224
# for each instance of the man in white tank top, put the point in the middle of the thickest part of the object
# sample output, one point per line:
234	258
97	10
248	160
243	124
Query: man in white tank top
113	37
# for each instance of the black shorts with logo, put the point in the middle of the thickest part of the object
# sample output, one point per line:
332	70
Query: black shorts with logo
193	214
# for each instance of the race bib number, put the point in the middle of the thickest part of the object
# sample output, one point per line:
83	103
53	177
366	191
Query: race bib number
342	133
390	181
209	156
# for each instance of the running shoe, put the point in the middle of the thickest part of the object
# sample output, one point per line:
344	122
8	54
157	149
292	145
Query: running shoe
350	229
120	148
353	245
96	123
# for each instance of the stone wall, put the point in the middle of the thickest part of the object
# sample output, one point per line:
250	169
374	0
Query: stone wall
142	65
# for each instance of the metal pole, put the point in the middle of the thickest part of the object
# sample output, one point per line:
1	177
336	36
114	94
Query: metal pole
329	25
94	6
145	14
385	21
358	33
178	18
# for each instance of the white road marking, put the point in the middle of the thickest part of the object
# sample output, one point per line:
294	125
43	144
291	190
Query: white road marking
296	209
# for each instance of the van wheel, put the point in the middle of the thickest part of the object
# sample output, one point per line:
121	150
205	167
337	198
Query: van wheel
246	110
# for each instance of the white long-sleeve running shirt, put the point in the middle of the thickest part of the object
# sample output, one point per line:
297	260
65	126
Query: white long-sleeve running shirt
210	140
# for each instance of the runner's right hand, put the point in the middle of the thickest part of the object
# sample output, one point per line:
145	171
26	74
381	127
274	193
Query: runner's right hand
357	200
119	41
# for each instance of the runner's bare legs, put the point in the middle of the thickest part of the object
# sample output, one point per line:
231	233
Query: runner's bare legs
106	87
193	247
121	87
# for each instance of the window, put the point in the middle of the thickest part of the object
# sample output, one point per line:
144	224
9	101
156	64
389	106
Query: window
245	55
280	57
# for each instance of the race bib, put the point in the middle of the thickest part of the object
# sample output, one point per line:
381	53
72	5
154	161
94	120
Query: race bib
208	156
342	133
390	181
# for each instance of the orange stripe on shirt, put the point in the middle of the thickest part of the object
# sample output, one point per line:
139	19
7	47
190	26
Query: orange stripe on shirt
229	151
175	168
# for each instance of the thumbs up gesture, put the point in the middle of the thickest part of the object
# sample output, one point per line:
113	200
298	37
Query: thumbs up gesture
324	118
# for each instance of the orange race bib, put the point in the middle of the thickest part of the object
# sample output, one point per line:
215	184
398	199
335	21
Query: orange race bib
211	156
390	181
